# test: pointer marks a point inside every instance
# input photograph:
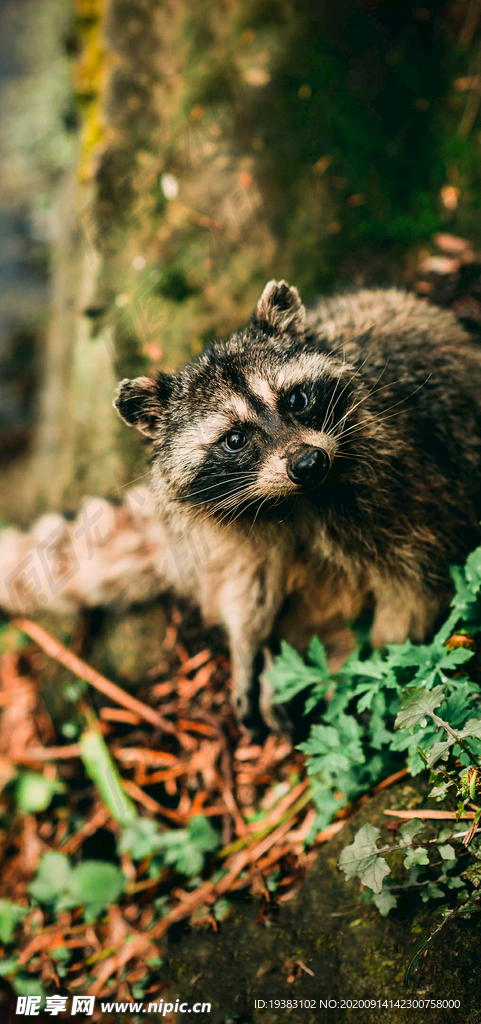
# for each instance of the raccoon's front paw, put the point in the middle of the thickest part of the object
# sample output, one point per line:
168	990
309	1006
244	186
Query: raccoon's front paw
274	715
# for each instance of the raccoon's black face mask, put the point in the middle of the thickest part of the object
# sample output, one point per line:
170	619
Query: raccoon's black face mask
253	421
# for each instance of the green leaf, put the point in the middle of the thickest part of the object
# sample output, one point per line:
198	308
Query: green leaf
140	838
385	901
290	675
455	657
221	909
186	848
101	769
472	570
202	834
52	878
8	966
94	884
439	752
472	728
417	704
410	829
362	858
34	792
10	915
416	856
317	654
447	852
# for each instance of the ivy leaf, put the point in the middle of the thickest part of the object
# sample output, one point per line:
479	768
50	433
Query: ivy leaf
417	704
385	901
447	852
432	892
410	829
416	856
362	858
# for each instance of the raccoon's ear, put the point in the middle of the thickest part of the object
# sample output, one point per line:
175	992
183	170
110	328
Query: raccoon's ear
140	402
281	308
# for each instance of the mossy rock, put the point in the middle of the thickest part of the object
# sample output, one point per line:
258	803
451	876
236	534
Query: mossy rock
352	952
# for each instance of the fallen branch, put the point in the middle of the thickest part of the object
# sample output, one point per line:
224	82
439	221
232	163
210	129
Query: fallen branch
68	659
429	814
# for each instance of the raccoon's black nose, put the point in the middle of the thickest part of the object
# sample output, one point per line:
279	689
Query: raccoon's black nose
310	469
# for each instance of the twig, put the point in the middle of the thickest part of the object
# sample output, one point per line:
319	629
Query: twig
97	820
149	803
62	654
429	814
45	754
391	780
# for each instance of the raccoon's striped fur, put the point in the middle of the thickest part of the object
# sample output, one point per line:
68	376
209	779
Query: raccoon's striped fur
333	459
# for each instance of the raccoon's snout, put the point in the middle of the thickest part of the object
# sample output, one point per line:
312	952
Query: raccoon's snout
310	469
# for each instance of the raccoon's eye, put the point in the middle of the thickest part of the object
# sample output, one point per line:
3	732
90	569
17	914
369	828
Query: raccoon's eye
297	399
234	441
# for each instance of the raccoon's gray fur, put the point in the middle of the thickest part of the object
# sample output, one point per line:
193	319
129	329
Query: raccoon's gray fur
334	461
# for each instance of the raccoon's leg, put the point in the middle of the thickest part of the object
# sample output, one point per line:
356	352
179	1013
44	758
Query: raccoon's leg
403	612
249	602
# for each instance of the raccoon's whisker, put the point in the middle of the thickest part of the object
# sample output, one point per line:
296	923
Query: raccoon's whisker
332	411
331	406
374	391
232	501
383	417
244	508
121	487
257	513
243	476
230	477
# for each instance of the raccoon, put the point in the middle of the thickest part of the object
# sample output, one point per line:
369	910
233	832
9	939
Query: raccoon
333	459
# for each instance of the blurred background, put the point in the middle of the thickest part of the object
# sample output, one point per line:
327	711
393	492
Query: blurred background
160	161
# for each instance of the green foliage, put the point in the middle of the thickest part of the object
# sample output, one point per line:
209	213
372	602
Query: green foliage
101	769
10	914
418	703
34	792
93	884
185	849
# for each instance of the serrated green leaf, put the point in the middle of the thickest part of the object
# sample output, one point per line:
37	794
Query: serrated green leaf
472	728
417	704
439	752
362	858
140	838
290	675
316	653
455	657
